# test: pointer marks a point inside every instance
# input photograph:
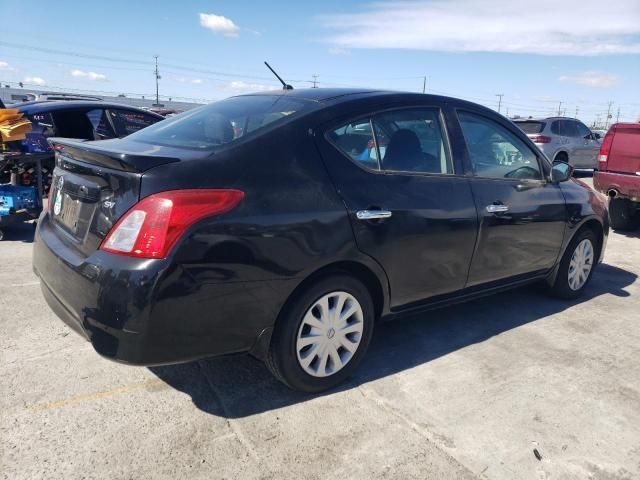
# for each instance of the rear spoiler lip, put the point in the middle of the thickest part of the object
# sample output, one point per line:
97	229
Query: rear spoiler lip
119	160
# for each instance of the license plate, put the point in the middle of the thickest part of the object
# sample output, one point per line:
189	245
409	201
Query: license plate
69	213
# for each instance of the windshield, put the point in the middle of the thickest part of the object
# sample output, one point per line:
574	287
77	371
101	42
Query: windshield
222	122
531	127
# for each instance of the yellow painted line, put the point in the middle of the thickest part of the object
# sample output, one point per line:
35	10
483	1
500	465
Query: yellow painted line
94	396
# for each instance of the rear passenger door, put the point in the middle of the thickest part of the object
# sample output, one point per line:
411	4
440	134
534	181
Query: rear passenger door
589	146
409	203
522	215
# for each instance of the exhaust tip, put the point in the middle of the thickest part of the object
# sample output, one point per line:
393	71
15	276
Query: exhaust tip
612	193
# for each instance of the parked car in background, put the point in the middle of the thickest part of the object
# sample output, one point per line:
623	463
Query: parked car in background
563	139
79	119
291	234
618	174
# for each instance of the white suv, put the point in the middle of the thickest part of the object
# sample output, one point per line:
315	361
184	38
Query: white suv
565	139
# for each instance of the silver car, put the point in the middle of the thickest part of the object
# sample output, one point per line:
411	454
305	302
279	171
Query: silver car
565	139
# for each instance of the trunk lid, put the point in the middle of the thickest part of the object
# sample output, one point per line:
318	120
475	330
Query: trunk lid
624	154
94	184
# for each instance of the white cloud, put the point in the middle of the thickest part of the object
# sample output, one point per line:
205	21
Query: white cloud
339	51
593	79
239	86
547	27
219	24
96	77
4	66
196	81
35	80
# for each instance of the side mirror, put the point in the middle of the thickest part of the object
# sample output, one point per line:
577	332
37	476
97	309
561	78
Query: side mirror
561	172
597	136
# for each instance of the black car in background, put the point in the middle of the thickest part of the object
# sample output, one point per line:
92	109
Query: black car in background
78	119
285	224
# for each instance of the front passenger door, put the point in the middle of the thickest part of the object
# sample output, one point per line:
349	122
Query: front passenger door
522	215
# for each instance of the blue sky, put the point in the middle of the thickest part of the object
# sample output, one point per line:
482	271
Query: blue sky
580	52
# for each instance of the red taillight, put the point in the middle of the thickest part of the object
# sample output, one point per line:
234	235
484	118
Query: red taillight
152	226
605	148
540	139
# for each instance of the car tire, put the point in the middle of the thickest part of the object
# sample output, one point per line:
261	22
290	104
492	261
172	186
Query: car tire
622	214
579	259
307	350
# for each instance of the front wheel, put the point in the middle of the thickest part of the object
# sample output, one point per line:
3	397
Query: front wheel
322	335
576	266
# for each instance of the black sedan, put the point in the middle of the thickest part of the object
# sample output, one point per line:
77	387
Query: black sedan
285	224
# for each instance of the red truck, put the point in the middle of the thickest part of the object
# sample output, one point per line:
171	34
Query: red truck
618	174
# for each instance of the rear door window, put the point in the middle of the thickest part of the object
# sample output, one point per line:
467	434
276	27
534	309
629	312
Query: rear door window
101	125
555	127
73	124
568	128
495	152
416	141
356	140
411	141
127	122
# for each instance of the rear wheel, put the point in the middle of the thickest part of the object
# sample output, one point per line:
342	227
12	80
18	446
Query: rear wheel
576	266
322	335
622	214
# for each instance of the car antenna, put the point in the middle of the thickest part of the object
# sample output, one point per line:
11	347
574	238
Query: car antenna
285	86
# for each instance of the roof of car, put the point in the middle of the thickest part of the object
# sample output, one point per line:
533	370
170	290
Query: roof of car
338	95
541	119
50	105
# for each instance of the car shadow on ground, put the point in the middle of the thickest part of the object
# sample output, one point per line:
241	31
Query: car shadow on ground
240	386
19	232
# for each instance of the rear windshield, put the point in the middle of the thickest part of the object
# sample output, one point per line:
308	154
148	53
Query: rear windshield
220	123
531	127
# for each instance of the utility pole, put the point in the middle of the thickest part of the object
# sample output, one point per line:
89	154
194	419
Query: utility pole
424	84
499	95
507	112
315	80
559	109
618	115
606	121
157	78
577	109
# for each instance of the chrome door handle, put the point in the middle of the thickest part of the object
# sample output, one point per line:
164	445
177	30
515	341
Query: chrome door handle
372	214
493	208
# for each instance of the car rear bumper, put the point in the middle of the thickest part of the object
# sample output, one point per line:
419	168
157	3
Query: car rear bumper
148	312
625	185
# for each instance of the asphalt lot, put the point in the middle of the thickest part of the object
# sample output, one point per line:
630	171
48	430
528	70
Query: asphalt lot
464	392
